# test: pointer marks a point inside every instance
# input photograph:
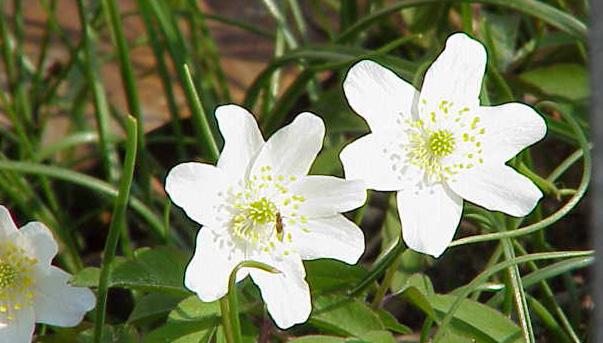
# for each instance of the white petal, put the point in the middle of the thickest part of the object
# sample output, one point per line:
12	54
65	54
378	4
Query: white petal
330	237
429	218
242	139
498	188
286	294
369	158
510	128
38	242
456	75
292	149
378	95
7	225
194	187
20	329
59	304
328	195
214	259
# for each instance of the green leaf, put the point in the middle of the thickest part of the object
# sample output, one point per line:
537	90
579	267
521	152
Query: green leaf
422	19
327	275
183	332
391	323
411	262
159	269
318	339
374	336
418	299
500	32
478	321
193	309
153	306
565	80
111	334
344	316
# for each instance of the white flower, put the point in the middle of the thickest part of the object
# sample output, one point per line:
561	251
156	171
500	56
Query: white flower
31	289
439	146
259	204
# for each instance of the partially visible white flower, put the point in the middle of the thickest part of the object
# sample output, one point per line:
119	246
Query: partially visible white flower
259	204
31	289
439	146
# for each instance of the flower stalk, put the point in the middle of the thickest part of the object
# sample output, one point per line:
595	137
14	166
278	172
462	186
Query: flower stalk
229	305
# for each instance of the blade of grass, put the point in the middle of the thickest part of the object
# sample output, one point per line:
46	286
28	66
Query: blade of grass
108	153
164	74
537	9
112	15
146	213
118	220
199	117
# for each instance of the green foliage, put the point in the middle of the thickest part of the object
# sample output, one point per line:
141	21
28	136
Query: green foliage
503	280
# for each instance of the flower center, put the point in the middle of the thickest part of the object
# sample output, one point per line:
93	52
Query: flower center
428	147
16	280
261	211
254	220
441	143
8	275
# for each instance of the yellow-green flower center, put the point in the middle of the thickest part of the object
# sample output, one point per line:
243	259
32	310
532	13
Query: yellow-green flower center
16	280
250	223
441	143
8	275
261	211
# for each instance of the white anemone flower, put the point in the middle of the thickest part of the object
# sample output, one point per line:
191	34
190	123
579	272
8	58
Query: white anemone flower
259	204
31	289
438	146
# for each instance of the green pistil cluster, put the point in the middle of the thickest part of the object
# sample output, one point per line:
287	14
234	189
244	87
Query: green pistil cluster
441	143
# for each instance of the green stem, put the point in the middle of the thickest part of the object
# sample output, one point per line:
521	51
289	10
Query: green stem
392	254
547	186
230	305
119	213
226	323
385	284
